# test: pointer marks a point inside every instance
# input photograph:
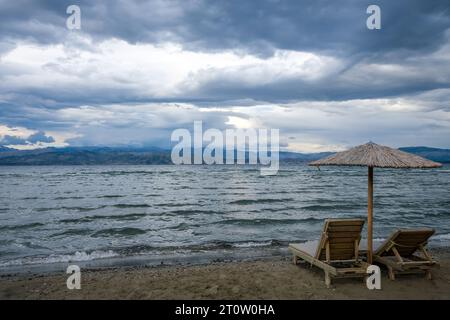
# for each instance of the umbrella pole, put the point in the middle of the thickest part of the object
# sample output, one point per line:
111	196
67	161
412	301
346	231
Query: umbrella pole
369	215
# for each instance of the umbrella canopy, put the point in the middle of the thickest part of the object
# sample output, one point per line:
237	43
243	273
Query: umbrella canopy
372	155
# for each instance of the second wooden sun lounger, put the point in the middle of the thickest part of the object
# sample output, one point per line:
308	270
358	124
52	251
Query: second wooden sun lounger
337	252
397	253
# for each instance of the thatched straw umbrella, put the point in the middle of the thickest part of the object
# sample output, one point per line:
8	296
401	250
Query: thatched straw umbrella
372	155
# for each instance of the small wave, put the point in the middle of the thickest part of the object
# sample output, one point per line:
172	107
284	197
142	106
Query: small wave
442	237
267	221
257	201
118	232
276	209
110	196
171	204
14	175
67	198
120	173
183	226
72	232
318	207
252	244
81	209
131	205
6	241
22	226
55	258
192	211
239	244
230	194
182	188
131	216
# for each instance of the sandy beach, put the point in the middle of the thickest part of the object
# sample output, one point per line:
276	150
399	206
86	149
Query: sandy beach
275	278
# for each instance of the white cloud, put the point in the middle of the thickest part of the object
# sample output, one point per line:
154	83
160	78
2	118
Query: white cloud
147	70
19	132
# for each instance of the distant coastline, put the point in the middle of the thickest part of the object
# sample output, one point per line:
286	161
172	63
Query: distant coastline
153	156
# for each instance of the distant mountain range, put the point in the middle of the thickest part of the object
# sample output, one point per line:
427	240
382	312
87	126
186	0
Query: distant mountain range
153	155
4	149
84	156
435	154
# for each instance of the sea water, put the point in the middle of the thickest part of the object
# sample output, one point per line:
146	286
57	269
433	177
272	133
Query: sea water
163	214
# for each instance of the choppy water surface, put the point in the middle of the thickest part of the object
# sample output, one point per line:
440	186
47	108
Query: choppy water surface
58	214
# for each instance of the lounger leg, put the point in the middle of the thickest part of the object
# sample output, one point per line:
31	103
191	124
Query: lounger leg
295	260
428	275
327	279
391	273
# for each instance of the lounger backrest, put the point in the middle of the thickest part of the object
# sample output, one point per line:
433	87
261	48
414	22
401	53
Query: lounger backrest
406	241
343	236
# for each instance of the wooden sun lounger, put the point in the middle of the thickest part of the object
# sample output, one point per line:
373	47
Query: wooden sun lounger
336	252
397	253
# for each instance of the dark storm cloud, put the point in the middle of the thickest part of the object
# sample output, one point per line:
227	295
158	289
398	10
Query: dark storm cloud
335	87
410	28
257	26
8	139
32	139
40	21
40	137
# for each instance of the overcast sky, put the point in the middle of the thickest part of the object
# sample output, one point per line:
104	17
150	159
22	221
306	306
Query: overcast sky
139	69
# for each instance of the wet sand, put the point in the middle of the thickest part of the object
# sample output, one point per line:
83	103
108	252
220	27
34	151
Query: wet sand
276	278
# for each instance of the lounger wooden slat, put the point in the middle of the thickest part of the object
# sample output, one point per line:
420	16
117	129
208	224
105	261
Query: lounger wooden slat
341	245
398	252
346	222
337	235
339	229
338	240
337	251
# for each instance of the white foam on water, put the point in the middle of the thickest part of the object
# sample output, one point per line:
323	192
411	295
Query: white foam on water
252	244
442	237
77	256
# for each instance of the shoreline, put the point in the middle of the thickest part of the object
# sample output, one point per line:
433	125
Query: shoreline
181	257
178	258
264	278
150	260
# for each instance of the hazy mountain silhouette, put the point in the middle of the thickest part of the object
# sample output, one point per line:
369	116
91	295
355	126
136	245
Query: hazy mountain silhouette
153	155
